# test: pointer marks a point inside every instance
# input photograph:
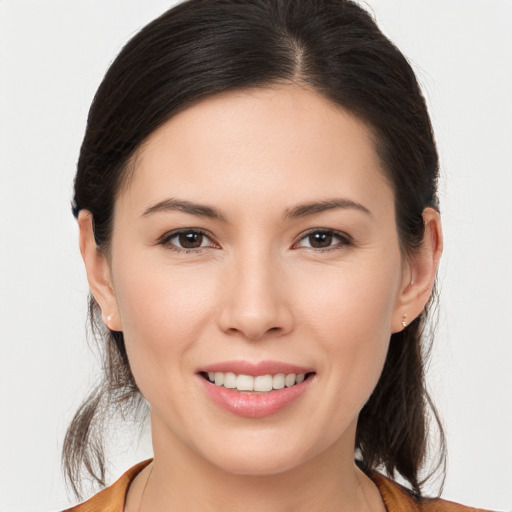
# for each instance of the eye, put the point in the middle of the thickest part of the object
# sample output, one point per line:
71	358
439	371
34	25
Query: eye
187	240
324	239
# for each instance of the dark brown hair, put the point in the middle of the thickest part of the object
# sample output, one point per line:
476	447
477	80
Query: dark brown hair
203	47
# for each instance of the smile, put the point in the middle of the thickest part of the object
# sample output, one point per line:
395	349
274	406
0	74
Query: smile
255	390
258	383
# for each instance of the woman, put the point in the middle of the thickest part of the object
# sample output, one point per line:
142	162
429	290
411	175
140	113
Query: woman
256	198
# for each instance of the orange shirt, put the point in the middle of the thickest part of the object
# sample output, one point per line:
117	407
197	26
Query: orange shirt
394	496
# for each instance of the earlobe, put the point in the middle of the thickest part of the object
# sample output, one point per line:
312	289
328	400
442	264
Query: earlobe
98	272
420	272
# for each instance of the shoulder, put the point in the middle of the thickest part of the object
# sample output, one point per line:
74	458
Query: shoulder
111	499
397	499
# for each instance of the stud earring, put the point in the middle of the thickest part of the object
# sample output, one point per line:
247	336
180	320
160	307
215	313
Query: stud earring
107	320
404	323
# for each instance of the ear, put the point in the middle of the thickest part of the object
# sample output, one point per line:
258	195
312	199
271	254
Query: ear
98	272
419	273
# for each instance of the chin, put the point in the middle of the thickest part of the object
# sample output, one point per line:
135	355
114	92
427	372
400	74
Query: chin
268	454
257	464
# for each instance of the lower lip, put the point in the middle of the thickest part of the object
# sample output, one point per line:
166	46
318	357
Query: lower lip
254	405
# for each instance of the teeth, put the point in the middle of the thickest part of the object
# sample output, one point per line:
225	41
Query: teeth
229	380
261	383
289	380
278	380
245	383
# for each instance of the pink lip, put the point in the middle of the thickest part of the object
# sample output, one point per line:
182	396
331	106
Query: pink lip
254	369
252	404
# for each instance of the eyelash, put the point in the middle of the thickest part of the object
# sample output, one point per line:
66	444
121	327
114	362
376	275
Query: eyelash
165	240
343	240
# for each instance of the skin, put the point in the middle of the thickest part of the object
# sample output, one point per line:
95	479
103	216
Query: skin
257	290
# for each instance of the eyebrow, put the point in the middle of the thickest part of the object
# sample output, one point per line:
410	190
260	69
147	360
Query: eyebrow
186	207
301	210
304	210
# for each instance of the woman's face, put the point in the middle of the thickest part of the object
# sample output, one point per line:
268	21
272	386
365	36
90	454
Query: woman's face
257	237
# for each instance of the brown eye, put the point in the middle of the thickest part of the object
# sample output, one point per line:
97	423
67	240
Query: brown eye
190	240
324	239
187	240
320	240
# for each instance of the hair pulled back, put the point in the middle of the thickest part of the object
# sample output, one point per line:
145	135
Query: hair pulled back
203	47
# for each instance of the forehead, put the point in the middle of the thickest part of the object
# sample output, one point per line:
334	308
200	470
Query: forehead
280	142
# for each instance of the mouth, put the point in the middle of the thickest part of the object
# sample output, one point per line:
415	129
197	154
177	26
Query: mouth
262	394
257	383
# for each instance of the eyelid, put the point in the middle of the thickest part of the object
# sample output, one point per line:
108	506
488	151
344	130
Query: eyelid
165	239
346	240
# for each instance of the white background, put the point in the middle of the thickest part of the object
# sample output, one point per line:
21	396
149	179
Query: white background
53	54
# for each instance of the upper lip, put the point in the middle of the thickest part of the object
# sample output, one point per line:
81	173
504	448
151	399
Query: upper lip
255	368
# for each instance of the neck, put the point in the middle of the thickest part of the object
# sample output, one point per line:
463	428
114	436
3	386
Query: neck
327	482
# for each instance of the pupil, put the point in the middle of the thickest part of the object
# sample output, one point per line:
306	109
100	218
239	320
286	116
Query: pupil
191	240
320	240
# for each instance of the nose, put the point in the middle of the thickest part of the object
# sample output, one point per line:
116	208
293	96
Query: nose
254	299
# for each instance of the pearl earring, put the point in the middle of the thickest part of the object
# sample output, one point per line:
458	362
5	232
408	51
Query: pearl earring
404	323
107	320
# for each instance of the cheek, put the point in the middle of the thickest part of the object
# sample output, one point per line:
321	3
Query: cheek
350	317
356	301
162	310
